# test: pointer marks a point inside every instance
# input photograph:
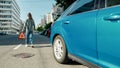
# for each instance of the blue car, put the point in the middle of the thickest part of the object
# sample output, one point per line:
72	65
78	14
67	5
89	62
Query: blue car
88	32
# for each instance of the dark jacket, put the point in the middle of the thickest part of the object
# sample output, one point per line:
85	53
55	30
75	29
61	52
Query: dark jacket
29	25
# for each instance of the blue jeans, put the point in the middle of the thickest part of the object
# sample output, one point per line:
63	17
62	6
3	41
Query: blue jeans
29	37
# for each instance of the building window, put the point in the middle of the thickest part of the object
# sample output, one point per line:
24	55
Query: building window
5	16
5	6
6	2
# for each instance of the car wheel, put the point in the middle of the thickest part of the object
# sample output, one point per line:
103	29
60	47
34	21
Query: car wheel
59	50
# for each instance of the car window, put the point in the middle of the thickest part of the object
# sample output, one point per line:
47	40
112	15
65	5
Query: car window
102	4
87	6
108	3
68	10
112	2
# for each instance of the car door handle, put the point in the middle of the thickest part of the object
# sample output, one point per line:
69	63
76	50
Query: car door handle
67	22
112	18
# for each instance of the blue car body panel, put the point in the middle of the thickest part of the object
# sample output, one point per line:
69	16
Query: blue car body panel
93	35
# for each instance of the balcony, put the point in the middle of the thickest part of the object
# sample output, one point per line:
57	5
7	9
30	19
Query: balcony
5	18
9	9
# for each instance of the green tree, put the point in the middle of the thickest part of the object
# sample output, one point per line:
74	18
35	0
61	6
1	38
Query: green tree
48	25
40	28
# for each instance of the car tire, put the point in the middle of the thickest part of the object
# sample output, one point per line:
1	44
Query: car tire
59	50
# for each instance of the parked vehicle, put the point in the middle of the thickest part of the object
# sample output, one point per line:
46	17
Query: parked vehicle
46	32
43	32
88	32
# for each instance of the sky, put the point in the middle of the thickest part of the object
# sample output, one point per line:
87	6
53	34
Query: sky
38	8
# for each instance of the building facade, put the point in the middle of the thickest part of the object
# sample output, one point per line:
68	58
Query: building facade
10	21
43	22
49	18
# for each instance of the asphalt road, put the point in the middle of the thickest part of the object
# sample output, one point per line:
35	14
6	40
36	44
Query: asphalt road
14	54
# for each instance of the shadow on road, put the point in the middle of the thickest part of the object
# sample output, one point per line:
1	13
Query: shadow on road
73	63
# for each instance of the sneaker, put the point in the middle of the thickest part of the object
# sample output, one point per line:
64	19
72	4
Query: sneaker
26	45
32	46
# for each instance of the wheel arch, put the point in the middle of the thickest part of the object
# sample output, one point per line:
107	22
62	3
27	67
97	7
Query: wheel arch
60	31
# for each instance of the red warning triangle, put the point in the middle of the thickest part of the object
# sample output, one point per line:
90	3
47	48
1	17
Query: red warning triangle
21	36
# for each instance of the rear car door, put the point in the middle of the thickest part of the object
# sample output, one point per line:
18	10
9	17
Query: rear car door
108	33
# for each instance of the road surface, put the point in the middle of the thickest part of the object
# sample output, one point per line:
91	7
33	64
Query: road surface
14	54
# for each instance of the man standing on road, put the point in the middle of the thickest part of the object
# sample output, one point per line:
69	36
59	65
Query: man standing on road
29	29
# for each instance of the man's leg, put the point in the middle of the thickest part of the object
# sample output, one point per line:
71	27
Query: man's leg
27	39
31	38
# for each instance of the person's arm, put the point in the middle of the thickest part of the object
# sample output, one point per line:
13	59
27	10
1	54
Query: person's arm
25	25
34	24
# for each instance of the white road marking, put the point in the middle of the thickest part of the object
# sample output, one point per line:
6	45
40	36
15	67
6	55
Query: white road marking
17	46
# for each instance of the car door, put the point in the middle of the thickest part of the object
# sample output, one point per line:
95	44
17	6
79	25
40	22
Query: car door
80	26
108	34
